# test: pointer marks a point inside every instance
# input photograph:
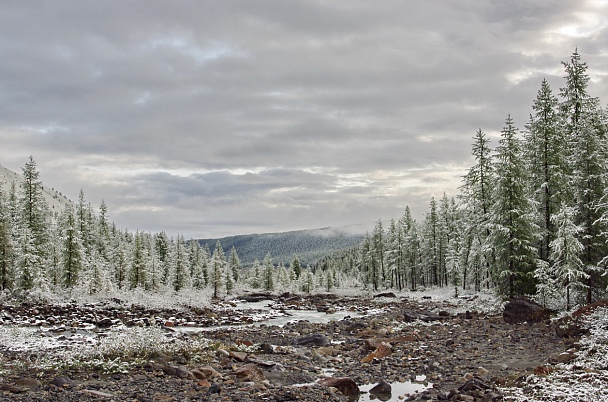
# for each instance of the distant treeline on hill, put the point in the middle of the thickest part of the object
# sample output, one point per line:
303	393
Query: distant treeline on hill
309	245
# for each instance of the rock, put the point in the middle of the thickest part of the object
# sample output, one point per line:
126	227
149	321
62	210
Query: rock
313	340
382	388
62	382
97	393
473	384
383	350
589	308
250	372
30	383
205	373
347	386
386	294
522	310
238	356
411	316
266	348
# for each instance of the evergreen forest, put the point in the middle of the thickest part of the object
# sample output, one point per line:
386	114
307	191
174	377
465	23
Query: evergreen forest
531	218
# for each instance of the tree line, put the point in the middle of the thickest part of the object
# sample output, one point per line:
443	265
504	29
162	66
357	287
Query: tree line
79	250
531	217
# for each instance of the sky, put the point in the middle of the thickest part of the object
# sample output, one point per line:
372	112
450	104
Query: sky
218	118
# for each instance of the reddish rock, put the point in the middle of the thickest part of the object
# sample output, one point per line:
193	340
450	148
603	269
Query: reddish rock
238	356
205	373
590	308
203	383
383	350
250	372
347	386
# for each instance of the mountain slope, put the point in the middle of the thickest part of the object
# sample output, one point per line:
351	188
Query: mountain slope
55	200
308	245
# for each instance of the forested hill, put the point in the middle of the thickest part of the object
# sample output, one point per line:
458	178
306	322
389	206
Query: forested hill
309	245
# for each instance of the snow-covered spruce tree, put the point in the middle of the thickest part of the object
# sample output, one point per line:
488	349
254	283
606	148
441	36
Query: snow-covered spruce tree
235	265
218	265
256	277
180	269
268	277
545	153
137	272
378	251
162	246
296	267
585	128
72	261
395	255
196	265
430	246
411	247
567	270
476	201
7	274
514	233
34	229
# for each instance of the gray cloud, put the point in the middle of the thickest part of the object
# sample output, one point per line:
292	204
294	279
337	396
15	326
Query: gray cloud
227	117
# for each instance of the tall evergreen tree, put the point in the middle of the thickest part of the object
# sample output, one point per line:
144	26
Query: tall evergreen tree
72	258
513	230
585	126
7	276
545	152
218	265
476	198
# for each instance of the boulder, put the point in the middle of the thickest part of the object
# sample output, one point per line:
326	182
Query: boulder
382	389
250	372
319	340
520	310
347	386
383	350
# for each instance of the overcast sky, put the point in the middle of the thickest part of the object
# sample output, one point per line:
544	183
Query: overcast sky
215	118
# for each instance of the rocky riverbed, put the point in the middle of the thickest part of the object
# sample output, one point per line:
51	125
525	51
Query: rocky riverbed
412	349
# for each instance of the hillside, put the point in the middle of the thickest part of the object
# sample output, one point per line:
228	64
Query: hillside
308	245
55	200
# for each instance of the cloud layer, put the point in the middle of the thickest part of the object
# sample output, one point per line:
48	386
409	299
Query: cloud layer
227	117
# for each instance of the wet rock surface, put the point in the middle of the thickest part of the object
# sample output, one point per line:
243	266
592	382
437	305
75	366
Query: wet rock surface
459	356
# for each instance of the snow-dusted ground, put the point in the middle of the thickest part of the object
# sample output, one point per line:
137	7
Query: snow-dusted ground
583	379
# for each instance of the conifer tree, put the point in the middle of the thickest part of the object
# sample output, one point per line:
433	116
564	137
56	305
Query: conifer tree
235	265
7	277
218	265
545	152
296	267
256	278
72	258
586	127
476	198
268	278
137	274
34	234
180	264
513	230
568	270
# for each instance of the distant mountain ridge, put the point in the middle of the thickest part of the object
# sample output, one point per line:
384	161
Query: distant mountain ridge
309	245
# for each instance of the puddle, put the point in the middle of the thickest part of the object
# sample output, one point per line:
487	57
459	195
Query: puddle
399	390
